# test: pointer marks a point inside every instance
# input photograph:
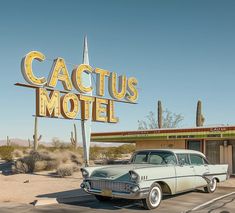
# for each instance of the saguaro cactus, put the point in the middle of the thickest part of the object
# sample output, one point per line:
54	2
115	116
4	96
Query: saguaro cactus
159	114
73	140
199	116
8	141
29	143
36	139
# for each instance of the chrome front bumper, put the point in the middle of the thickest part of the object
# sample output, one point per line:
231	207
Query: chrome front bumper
140	194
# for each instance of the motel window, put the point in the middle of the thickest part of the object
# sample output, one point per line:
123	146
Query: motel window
195	145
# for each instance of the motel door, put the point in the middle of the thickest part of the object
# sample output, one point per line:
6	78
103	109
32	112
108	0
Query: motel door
196	145
219	153
231	155
213	151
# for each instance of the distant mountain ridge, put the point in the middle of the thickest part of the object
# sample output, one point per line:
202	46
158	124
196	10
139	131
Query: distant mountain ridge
24	142
21	142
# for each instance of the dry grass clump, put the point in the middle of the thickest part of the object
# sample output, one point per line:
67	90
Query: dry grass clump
64	162
67	169
6	153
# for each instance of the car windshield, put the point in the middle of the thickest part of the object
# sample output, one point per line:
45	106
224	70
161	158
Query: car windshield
154	157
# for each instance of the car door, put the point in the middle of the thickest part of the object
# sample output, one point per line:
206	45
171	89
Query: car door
201	168
184	173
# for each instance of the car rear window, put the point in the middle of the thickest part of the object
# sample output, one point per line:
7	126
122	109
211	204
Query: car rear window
196	159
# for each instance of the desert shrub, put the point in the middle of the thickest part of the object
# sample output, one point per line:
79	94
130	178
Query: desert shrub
66	169
6	152
29	161
44	160
58	144
75	158
44	155
20	167
17	153
40	166
126	149
62	157
96	152
41	146
35	162
52	165
27	151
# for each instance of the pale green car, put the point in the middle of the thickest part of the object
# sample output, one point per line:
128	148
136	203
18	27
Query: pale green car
152	173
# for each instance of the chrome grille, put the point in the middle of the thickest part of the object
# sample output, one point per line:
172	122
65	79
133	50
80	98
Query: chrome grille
106	184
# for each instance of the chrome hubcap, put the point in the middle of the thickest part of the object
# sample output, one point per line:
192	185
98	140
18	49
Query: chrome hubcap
154	196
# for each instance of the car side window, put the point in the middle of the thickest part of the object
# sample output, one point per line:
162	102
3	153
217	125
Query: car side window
162	158
141	158
183	159
170	159
155	159
196	159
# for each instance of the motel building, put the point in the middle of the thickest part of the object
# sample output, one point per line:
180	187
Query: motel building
217	143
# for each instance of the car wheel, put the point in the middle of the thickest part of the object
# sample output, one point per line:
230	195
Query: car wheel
154	197
211	187
102	198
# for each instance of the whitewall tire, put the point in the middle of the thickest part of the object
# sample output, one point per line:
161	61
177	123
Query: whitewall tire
211	187
154	197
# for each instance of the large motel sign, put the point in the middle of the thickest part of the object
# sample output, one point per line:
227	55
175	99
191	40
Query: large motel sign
77	100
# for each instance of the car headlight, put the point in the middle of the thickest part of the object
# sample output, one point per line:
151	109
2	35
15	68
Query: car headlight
85	173
134	176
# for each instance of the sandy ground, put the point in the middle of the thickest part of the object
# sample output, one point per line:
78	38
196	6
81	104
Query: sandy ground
228	183
25	188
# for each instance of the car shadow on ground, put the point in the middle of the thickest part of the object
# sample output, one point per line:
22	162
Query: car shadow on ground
66	196
167	197
113	204
78	197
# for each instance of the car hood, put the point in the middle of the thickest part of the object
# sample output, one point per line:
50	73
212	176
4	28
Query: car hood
120	172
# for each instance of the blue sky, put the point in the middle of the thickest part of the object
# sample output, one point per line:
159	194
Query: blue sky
180	51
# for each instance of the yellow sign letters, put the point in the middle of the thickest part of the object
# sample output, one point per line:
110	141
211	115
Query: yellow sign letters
70	105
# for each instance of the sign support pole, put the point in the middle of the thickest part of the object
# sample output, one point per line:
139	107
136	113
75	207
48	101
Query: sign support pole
86	124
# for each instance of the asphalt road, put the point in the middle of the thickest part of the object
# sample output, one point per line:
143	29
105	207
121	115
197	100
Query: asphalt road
171	204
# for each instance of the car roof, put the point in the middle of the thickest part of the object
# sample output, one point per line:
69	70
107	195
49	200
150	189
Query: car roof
176	151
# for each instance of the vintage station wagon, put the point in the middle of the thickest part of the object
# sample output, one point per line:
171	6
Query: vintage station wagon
152	173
